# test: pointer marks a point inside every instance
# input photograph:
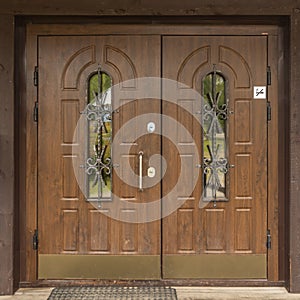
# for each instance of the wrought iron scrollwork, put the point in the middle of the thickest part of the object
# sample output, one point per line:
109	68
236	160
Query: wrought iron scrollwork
98	164
214	138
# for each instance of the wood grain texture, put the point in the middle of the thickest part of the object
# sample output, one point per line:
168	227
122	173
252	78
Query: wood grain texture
239	225
63	212
295	156
7	162
165	282
283	151
132	7
20	113
276	170
30	116
29	200
99	228
171	27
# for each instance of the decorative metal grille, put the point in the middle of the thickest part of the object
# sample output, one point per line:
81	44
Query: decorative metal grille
98	166
214	138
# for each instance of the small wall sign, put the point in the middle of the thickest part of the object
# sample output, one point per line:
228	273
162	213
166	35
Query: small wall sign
260	92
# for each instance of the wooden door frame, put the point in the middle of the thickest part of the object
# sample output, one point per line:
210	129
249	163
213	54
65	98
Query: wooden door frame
277	181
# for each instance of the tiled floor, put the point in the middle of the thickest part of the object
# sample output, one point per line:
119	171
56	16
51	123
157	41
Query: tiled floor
187	293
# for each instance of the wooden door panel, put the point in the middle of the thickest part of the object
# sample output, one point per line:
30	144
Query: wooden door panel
243	226
243	128
214	220
75	234
70	224
67	223
235	229
99	222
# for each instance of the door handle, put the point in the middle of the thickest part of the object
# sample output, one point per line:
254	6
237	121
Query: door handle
141	171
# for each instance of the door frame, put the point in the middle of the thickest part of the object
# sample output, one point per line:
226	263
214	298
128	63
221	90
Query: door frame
277	181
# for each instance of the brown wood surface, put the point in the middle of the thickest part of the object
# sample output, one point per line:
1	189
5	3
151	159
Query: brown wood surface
168	7
20	95
29	200
158	28
7	162
239	225
30	220
215	9
274	173
163	282
72	221
283	151
294	142
76	226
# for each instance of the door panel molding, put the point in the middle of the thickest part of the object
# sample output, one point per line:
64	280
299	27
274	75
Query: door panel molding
31	179
222	228
63	211
159	29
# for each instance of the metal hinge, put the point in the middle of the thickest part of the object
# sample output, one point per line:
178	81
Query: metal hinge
36	76
269	77
269	111
35	240
269	239
36	112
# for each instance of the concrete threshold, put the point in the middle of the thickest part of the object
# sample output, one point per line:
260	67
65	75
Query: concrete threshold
185	293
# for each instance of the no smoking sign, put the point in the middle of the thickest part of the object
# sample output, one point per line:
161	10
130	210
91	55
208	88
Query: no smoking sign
260	92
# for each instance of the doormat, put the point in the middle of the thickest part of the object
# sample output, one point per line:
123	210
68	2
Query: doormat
111	292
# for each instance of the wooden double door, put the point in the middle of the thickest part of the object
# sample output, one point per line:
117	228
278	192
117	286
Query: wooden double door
209	135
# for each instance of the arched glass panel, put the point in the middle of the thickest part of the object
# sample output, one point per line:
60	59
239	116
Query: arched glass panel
99	134
215	138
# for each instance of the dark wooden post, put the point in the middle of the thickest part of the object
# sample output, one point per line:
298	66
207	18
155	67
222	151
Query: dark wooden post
7	153
295	154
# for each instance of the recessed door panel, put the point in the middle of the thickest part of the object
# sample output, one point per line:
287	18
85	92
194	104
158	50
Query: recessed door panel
227	208
214	157
75	228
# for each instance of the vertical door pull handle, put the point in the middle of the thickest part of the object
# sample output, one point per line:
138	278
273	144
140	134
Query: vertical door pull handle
141	171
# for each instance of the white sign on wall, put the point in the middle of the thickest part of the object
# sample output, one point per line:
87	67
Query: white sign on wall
260	92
